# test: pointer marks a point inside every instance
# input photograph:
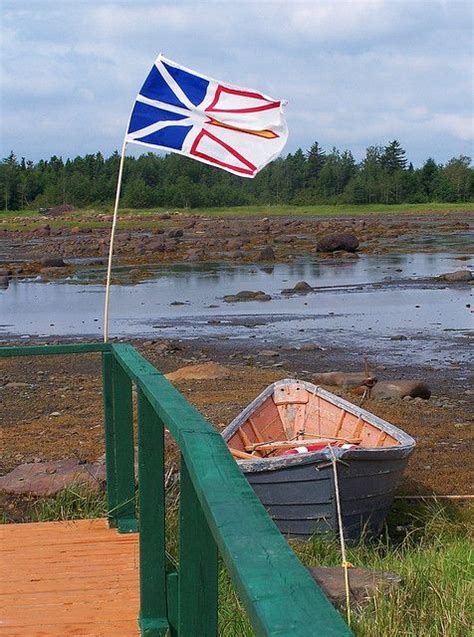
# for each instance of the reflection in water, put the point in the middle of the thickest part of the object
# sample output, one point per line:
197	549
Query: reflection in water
352	307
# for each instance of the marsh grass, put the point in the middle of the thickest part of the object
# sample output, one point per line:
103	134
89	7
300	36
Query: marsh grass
428	544
87	217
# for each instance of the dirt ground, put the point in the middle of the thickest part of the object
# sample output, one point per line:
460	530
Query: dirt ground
51	409
191	238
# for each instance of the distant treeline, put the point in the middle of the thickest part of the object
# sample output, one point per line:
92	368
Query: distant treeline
314	177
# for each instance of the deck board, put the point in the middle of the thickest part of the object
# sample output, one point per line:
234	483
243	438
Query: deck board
68	578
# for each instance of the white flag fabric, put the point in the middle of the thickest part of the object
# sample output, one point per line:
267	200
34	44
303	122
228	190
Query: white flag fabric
181	111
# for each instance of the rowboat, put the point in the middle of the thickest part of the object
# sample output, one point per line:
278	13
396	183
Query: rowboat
286	443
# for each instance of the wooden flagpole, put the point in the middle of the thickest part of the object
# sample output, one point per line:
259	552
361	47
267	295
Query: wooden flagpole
111	245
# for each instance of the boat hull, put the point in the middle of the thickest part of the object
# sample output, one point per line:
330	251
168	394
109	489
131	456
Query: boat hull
301	498
299	490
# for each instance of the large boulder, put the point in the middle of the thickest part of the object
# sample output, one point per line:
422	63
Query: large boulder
300	288
247	295
363	584
53	262
156	245
266	254
460	276
347	380
338	241
47	478
400	388
200	371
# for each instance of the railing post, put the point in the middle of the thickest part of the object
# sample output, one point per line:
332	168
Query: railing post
125	508
108	399
197	566
153	605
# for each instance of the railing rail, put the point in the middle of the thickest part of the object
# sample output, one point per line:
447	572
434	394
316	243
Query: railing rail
219	513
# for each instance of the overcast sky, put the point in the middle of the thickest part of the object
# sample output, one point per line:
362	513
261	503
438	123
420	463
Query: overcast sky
355	73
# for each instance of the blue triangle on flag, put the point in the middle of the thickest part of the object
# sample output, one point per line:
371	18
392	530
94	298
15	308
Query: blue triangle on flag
156	88
194	86
169	137
144	115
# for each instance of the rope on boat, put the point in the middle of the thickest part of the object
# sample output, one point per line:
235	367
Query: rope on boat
345	564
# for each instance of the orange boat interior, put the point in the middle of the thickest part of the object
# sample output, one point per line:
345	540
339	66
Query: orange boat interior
294	416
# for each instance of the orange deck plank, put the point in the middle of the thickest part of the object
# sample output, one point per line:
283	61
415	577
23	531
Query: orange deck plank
68	578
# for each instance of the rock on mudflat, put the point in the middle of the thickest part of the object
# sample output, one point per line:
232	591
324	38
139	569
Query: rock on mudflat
340	379
401	388
459	276
47	478
300	288
53	262
338	241
363	583
266	254
200	371
247	295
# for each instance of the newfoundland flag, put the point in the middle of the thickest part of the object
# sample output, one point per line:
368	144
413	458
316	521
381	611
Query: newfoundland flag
232	128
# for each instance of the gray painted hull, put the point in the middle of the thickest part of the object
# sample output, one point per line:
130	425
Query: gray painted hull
298	491
301	498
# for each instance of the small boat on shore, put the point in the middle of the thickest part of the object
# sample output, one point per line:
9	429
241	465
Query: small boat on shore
285	442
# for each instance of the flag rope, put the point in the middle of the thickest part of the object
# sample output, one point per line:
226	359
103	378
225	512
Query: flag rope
111	244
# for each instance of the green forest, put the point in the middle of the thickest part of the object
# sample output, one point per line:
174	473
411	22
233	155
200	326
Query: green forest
302	178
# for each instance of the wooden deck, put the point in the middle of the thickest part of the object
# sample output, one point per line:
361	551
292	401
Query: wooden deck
68	578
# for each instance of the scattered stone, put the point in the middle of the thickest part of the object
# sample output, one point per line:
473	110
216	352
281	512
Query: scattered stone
401	388
200	371
247	295
53	262
269	352
300	288
347	380
338	241
57	211
13	385
266	254
456	277
311	347
363	583
399	337
459	425
175	234
158	245
47	478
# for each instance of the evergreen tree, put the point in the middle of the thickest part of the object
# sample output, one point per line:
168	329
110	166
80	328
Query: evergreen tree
393	157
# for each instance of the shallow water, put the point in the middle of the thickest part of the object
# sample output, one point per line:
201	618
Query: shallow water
358	304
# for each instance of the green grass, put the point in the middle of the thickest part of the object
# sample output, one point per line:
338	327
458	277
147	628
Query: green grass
333	210
70	504
429	546
87	217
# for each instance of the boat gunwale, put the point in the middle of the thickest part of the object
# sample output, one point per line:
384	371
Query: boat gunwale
406	446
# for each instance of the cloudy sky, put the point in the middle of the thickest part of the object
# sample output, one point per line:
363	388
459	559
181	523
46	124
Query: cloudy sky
355	73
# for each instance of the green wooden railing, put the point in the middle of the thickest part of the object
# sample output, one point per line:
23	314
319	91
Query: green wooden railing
219	513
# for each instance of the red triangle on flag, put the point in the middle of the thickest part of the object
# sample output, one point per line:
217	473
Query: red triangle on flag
213	150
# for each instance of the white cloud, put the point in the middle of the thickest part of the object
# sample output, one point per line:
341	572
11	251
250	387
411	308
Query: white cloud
355	73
